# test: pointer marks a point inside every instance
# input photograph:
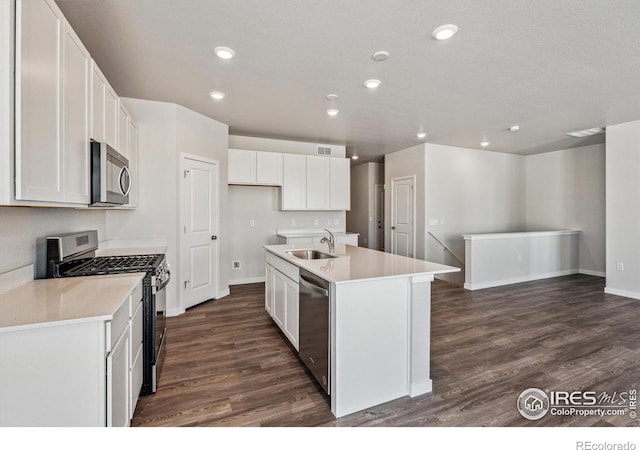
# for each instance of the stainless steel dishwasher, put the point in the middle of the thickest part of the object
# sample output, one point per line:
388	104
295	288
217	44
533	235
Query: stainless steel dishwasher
314	326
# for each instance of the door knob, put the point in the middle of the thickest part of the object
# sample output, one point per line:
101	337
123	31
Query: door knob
214	237
393	228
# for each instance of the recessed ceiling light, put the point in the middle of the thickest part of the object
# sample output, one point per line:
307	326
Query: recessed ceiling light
332	112
332	97
354	157
585	133
380	56
372	84
514	128
484	143
224	52
421	135
444	32
216	95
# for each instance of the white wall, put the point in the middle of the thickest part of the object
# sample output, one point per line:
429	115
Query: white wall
406	163
623	209
361	218
165	130
470	191
565	189
23	233
282	146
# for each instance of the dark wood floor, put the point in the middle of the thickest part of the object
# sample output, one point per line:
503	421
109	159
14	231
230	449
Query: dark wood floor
228	365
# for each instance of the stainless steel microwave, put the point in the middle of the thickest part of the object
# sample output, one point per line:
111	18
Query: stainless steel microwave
110	176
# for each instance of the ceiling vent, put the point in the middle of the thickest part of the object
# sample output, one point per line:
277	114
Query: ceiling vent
585	133
325	151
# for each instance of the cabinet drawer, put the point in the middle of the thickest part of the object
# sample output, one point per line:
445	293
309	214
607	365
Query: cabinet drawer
285	267
136	329
116	326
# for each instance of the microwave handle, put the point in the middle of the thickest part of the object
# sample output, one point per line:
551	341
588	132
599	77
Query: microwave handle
126	191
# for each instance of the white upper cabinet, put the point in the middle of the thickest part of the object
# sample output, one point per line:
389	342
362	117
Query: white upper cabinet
242	167
123	131
38	158
133	164
111	117
340	184
98	92
294	182
75	107
269	168
318	169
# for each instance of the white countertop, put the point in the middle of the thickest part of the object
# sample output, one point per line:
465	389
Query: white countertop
55	301
358	263
128	251
518	234
312	233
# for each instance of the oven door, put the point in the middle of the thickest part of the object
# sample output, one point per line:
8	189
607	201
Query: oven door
110	176
160	327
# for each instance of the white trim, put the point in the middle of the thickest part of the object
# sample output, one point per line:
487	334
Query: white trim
593	273
247	281
413	217
519	234
377	245
533	277
14	278
223	293
622	293
420	388
181	220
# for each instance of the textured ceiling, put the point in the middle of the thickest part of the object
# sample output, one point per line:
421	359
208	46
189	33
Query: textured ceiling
552	66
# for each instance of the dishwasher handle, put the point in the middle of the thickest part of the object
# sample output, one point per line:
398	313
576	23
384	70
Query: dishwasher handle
312	286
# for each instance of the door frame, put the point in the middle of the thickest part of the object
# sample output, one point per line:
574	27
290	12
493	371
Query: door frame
182	210
413	228
376	233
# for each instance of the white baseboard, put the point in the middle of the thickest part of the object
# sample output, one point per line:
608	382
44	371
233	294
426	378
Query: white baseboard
172	312
593	273
622	293
223	293
533	277
247	281
421	387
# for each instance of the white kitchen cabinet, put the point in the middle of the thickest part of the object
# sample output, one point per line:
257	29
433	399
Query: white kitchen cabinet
294	182
135	353
291	313
282	296
242	167
269	168
123	131
318	189
340	184
118	396
133	164
279	292
111	117
38	158
104	109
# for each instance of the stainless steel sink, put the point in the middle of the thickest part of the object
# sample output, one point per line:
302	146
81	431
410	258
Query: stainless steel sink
309	254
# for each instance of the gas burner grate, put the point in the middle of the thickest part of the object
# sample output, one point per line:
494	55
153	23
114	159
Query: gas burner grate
115	264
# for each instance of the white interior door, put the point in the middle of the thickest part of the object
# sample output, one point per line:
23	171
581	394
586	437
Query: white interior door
402	216
199	243
378	243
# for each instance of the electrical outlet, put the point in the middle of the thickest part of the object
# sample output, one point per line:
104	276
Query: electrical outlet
520	257
336	221
293	222
315	222
365	241
620	267
252	223
236	265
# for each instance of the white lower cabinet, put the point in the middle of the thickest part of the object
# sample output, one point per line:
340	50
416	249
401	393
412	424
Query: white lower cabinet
135	353
118	382
282	297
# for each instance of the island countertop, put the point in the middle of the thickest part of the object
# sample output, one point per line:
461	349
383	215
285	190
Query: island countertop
56	301
352	264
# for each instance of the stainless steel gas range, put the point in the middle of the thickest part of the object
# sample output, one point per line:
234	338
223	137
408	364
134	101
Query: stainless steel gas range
73	255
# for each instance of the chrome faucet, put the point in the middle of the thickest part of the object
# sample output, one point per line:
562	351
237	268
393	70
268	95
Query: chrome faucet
331	241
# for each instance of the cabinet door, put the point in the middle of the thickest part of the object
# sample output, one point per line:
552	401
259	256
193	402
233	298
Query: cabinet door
38	152
118	396
279	292
268	289
135	352
133	164
269	168
98	95
317	182
75	106
294	182
123	131
291	319
111	117
242	167
340	184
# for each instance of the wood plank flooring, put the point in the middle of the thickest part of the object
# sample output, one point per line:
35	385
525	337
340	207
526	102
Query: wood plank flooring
228	365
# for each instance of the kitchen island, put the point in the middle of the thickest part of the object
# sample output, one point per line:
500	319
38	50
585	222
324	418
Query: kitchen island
379	307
